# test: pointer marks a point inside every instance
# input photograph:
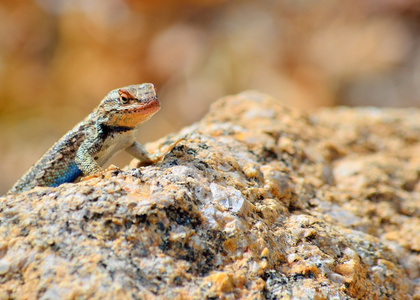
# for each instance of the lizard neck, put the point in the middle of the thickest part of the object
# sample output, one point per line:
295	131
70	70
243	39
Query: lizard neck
117	128
110	131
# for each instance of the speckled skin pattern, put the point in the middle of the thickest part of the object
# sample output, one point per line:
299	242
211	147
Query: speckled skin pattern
111	127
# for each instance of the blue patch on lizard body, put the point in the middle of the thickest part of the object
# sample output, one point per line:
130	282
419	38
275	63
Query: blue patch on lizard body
68	175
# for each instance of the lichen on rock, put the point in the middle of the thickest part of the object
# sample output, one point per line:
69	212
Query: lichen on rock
255	201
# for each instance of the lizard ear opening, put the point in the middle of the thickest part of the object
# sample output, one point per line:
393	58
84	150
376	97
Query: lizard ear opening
125	96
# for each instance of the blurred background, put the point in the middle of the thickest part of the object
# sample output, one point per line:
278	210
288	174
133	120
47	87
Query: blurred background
58	58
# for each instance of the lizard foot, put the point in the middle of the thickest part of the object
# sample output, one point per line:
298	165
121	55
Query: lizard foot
107	173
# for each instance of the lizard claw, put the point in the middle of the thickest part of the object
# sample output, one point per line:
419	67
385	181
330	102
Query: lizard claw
153	158
102	173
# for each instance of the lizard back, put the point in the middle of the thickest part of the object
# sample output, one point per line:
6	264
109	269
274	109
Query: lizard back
57	165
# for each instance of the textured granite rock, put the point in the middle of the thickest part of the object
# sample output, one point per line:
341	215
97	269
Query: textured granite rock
256	201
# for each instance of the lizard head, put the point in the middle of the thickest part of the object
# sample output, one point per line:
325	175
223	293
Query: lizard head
129	106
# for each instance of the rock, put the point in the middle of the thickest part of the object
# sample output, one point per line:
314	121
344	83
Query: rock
256	201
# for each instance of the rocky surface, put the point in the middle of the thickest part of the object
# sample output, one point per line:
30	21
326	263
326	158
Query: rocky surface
256	201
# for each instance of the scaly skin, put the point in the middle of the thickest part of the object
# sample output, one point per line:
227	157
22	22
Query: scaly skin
110	128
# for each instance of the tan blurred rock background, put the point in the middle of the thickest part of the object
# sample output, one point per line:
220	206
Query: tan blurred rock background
58	58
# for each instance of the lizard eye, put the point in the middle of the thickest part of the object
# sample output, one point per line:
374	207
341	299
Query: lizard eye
125	96
124	99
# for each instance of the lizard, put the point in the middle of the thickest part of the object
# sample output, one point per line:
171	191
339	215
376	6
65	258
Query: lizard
111	127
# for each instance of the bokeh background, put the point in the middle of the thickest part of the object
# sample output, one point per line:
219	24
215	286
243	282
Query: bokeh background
58	58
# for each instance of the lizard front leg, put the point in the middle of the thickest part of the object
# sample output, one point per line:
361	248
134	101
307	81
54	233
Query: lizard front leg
85	161
139	152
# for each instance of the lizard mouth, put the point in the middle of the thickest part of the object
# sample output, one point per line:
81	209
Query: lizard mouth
152	105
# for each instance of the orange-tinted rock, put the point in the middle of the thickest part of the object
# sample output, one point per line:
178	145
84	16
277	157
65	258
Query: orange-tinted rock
256	201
